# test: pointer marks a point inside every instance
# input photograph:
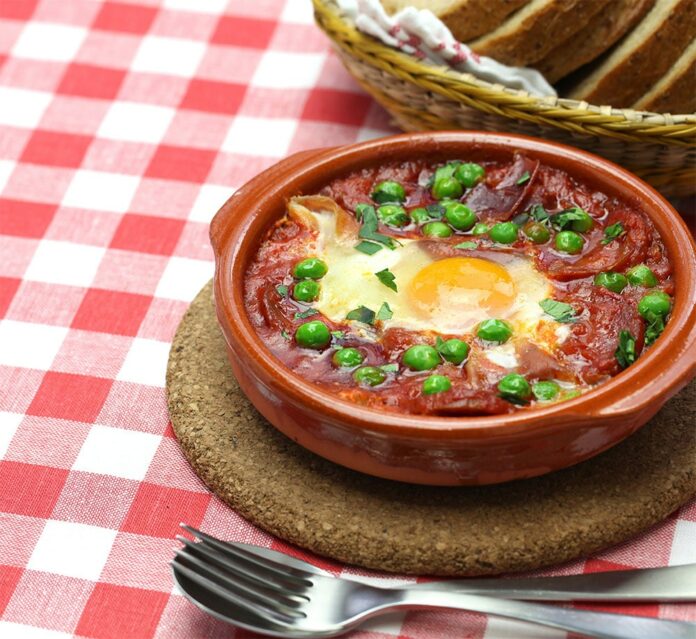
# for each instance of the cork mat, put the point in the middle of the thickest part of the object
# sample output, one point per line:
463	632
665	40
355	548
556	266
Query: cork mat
381	524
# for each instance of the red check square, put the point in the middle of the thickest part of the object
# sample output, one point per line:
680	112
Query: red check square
147	234
213	97
158	510
129	18
17	9
68	396
25	219
180	163
30	490
332	105
56	149
114	612
8	288
111	312
244	32
9	578
90	81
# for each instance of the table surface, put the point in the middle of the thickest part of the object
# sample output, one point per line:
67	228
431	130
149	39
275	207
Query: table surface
123	127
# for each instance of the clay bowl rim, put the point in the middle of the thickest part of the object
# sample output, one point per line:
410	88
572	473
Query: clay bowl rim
238	226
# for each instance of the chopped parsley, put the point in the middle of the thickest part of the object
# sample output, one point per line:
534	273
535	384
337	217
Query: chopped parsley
626	351
539	214
612	232
435	211
524	178
560	311
282	290
285	334
656	324
369	248
566	217
368	231
338	334
308	313
384	312
390	368
466	245
387	278
362	314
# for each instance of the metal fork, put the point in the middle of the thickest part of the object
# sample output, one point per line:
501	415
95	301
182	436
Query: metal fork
265	596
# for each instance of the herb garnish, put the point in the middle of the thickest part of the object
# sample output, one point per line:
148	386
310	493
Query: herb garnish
560	311
369	248
466	245
384	312
282	290
285	334
656	324
368	231
308	313
362	314
435	211
612	232
539	214
338	334
626	352
566	217
390	368
387	278
525	178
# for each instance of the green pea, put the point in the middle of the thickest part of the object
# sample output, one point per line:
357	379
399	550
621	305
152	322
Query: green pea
469	174
313	334
310	269
514	386
420	215
388	191
536	232
460	216
454	350
437	229
545	391
421	357
306	291
369	376
611	280
447	188
584	224
347	357
393	215
641	275
504	232
569	242
494	330
655	303
445	171
436	384
480	228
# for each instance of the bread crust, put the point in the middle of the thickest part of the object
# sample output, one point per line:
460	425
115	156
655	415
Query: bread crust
531	33
676	90
466	19
633	66
604	29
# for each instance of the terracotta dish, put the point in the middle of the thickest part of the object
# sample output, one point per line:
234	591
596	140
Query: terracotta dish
434	449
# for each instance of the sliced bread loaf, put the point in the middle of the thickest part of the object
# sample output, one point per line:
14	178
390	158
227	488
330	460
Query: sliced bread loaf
601	32
632	67
676	90
466	19
530	33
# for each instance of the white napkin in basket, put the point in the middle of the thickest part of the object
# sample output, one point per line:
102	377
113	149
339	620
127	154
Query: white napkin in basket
422	34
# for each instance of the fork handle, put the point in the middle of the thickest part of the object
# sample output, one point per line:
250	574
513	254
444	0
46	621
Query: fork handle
592	624
674	583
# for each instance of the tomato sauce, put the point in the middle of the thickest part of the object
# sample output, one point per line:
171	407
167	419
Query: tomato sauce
508	192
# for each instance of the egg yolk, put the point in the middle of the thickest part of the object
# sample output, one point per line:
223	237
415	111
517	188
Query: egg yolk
459	285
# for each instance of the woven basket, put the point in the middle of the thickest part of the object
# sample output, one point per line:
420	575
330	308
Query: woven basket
661	148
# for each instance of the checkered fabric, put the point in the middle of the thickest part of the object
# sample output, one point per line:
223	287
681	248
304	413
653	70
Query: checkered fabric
123	127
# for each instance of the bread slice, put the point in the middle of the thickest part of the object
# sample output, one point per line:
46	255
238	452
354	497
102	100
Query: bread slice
466	19
530	33
602	31
676	90
640	59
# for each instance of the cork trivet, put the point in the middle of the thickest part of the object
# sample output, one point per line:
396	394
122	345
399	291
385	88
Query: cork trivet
381	524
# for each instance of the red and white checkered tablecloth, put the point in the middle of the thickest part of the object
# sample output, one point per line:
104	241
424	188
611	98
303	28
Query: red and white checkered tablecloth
123	127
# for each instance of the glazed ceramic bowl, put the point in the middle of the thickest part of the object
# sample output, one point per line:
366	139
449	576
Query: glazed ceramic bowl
433	449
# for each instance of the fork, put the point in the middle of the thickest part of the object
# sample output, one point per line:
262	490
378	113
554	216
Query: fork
271	598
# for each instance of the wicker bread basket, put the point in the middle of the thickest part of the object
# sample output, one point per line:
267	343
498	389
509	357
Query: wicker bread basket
661	148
